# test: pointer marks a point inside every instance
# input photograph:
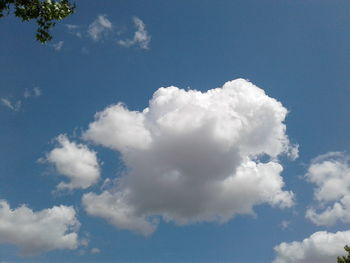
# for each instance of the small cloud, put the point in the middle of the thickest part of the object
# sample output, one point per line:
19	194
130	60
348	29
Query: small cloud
26	94
321	247
100	27
85	51
95	251
15	106
58	46
107	183
75	161
141	36
330	174
28	229
74	30
285	224
35	92
72	27
103	29
84	242
293	152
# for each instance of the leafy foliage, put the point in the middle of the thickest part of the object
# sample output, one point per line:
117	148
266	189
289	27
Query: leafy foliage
344	259
46	13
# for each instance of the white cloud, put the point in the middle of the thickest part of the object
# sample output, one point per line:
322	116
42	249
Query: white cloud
285	224
192	157
15	106
36	92
99	27
74	29
112	207
29	93
331	175
95	250
320	247
38	232
58	46
141	36
76	162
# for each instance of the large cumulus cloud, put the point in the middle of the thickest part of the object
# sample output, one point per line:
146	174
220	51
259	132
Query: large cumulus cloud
193	156
37	232
331	175
320	247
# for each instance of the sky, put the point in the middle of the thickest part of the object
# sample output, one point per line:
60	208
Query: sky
177	131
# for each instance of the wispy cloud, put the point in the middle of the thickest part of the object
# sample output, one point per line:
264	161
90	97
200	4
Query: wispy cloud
285	224
12	105
103	29
74	30
71	27
35	92
141	36
100	27
16	105
58	46
95	250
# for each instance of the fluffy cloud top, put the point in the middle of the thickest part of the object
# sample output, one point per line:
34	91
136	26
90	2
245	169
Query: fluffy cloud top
37	232
331	174
76	162
192	156
141	36
320	247
99	27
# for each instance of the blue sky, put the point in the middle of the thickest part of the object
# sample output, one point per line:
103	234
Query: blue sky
149	186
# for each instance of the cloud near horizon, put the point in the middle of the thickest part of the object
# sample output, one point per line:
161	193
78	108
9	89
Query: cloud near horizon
192	156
